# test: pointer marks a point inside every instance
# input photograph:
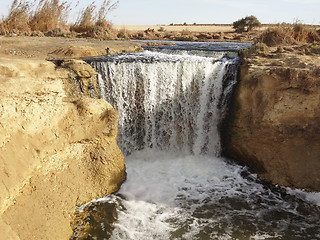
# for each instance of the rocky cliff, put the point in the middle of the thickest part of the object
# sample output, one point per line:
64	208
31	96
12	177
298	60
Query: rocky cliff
274	123
57	150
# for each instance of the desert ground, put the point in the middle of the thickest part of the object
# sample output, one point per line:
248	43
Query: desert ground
179	28
59	47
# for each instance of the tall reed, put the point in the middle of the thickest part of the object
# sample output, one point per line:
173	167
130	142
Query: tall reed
44	15
49	14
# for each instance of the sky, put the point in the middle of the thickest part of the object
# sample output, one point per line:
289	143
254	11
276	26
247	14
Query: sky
150	12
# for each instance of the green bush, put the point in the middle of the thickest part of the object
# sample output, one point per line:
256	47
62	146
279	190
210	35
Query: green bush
246	24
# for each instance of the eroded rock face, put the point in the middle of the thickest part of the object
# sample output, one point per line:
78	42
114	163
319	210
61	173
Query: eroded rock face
85	76
57	150
274	124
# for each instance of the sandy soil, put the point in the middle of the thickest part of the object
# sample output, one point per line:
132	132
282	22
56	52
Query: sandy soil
55	47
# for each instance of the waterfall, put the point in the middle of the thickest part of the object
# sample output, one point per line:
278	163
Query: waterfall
170	102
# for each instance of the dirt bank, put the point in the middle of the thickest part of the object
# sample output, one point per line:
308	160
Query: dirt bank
55	47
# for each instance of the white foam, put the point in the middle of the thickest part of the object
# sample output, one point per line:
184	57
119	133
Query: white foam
313	197
142	220
175	196
156	182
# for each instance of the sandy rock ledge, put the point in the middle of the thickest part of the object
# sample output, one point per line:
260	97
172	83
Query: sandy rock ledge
57	150
274	124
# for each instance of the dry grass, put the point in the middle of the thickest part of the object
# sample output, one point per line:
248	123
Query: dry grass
86	19
315	49
289	34
41	15
256	49
106	7
100	32
179	28
92	21
123	33
25	18
17	19
49	14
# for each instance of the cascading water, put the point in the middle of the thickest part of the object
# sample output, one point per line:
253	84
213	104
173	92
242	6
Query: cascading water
166	102
170	102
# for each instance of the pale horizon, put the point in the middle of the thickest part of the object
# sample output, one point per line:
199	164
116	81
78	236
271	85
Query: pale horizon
165	12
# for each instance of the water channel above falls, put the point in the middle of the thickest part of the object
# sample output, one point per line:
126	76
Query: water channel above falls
171	100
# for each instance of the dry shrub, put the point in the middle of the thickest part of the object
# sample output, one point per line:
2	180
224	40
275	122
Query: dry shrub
56	32
315	49
185	32
100	32
289	34
138	35
260	48
313	37
149	31
37	34
257	48
275	36
305	34
123	33
185	35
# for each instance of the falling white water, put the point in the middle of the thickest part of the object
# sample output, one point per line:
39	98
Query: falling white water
167	102
178	187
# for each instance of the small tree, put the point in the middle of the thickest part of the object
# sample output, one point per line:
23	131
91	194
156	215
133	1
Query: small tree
246	24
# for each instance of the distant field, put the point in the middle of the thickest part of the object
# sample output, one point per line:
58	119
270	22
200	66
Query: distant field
192	28
178	28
